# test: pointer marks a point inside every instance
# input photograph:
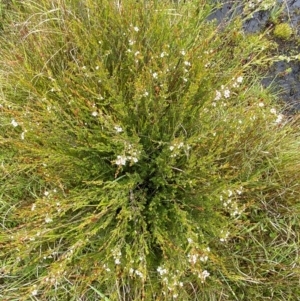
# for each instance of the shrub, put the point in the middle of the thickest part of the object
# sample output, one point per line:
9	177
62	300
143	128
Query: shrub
141	158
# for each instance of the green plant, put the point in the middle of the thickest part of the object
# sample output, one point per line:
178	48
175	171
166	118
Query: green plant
141	159
283	31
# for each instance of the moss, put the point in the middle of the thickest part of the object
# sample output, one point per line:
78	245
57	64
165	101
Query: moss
283	31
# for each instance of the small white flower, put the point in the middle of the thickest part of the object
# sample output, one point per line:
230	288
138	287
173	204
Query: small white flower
273	111
239	79
203	258
182	52
131	42
117	261
136	53
180	145
46	193
154	75
118	129
48	220
23	135
192	258
33	207
121	160
187	63
204	275
218	95
95	114
279	118
190	240
261	104
14	123
239	191
163	54
135	28
161	271
34	292
171	148
140	274
226	93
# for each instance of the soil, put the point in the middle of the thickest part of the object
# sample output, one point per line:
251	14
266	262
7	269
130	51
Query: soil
284	76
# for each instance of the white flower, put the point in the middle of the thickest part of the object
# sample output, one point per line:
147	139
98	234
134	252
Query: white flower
192	258
46	193
33	207
187	63
279	118
139	273
226	93
154	75
273	111
135	28
218	95
121	160
95	113
203	275
117	261
171	147
131	42
239	79
182	52
261	104
48	220
23	135
190	240
145	94
14	123
34	292
136	53
203	258
118	129
134	159
161	271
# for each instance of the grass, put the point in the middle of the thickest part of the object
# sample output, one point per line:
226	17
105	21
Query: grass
141	158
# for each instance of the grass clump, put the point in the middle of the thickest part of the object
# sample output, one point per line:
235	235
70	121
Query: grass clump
141	159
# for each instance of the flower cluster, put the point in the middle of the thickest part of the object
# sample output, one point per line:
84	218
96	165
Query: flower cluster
225	92
176	147
231	202
279	117
131	155
116	253
171	281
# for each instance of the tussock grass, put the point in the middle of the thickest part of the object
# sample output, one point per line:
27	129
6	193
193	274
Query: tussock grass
140	157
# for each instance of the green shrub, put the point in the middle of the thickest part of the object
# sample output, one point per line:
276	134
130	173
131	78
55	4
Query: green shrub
141	159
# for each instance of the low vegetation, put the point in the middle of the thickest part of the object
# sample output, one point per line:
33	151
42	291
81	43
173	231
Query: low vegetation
141	159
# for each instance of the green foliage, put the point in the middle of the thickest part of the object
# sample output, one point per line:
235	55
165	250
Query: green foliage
141	159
